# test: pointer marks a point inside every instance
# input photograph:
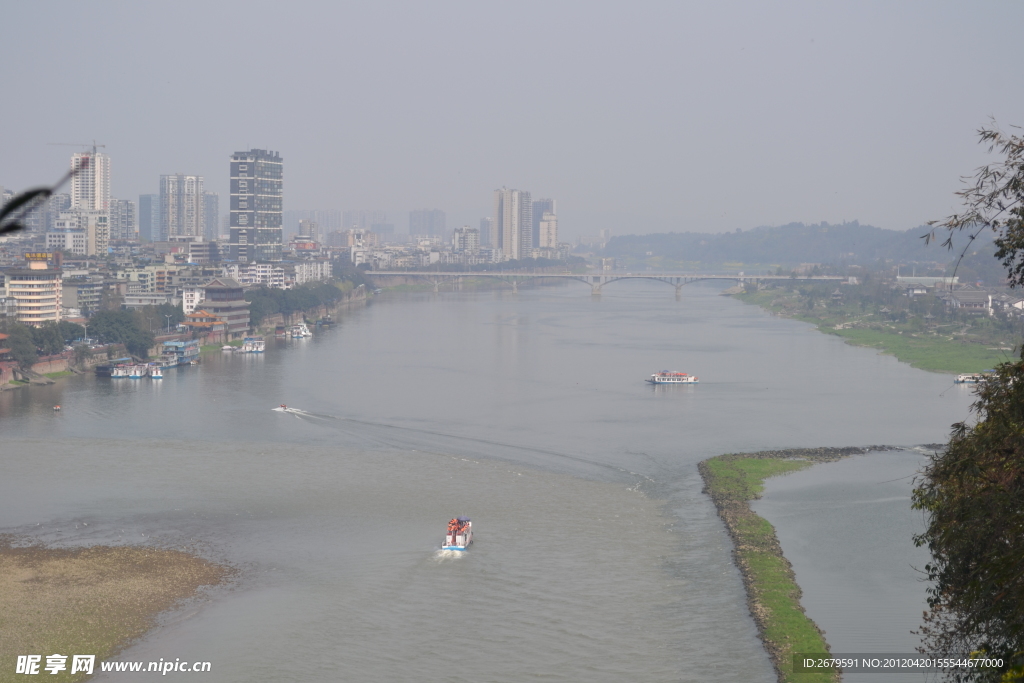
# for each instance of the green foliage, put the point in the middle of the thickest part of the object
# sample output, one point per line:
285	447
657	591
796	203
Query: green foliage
973	493
23	348
266	301
48	339
82	354
122	327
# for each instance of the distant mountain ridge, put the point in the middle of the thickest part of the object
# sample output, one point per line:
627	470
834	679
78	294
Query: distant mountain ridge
789	245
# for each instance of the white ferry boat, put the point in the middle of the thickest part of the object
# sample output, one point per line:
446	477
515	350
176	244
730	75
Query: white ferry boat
969	378
156	372
666	377
300	331
119	372
136	371
253	345
460	534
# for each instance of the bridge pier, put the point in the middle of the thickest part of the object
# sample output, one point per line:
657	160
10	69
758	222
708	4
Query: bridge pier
436	286
515	286
679	291
595	290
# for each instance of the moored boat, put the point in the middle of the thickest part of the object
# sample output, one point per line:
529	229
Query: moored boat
119	372
969	378
460	534
136	371
156	372
300	331
253	345
666	377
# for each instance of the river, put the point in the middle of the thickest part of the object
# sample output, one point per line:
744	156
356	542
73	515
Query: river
597	556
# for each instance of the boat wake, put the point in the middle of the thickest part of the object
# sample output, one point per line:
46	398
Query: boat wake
448	555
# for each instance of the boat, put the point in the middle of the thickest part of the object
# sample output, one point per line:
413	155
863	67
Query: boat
969	378
666	377
227	347
253	345
460	534
180	353
136	371
156	372
300	331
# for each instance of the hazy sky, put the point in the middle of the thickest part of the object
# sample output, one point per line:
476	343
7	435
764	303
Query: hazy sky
636	116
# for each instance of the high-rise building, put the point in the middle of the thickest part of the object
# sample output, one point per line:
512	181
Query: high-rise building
123	221
426	222
540	207
149	217
211	215
548	230
181	206
257	193
90	188
513	224
466	239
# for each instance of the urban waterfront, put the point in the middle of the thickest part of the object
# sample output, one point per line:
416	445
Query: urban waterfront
597	556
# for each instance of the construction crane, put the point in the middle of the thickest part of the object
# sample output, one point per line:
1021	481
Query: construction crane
78	144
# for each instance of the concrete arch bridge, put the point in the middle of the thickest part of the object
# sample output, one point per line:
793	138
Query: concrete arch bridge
596	280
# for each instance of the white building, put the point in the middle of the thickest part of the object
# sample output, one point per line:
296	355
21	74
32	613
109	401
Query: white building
513	223
181	206
466	239
192	297
548	231
90	188
311	271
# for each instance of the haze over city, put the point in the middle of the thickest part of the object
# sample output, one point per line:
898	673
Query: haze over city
642	118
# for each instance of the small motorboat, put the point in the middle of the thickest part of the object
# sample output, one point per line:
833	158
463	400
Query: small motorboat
227	347
460	534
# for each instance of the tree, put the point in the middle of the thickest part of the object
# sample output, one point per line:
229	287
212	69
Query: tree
122	327
994	200
973	491
23	349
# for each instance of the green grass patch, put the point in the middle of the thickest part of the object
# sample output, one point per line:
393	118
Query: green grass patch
57	375
928	353
921	348
733	481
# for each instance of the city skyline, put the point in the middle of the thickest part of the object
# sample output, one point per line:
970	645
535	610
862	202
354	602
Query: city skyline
795	112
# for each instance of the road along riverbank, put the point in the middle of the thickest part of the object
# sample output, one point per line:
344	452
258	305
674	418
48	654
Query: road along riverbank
89	601
773	597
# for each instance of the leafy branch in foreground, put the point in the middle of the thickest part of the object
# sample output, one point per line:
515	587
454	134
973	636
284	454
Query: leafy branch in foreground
973	492
994	200
974	496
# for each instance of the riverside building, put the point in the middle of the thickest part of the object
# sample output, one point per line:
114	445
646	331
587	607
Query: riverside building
36	290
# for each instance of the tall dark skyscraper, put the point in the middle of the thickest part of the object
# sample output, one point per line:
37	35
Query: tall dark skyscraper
149	217
257	193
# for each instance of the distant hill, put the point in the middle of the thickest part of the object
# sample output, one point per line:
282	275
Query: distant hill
786	245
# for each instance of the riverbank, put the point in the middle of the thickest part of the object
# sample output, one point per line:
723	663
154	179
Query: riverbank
92	601
947	348
773	597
